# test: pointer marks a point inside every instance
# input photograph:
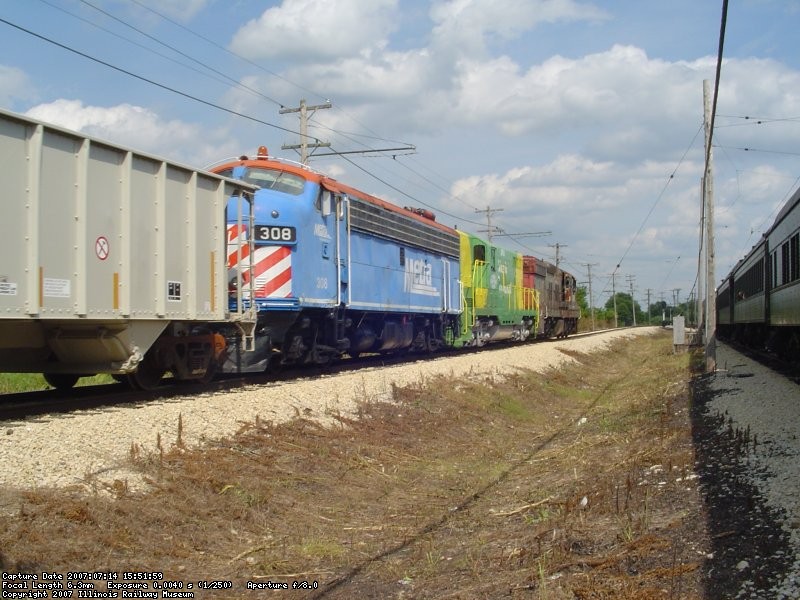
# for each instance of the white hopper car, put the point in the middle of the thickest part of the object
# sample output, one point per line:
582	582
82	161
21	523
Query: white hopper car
111	261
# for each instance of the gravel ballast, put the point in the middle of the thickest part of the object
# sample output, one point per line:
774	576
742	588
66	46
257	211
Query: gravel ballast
747	428
745	425
84	447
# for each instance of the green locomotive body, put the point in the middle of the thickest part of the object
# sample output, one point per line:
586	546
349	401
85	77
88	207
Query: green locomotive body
496	304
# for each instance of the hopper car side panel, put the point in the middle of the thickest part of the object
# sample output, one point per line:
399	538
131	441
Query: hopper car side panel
102	250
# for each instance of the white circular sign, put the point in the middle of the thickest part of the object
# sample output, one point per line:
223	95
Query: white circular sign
101	247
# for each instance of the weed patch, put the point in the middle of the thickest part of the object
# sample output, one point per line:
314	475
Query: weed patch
571	484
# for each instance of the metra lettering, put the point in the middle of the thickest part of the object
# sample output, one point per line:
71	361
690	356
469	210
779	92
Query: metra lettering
419	278
321	231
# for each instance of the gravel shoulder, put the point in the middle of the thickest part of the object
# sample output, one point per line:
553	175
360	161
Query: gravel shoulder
81	448
746	425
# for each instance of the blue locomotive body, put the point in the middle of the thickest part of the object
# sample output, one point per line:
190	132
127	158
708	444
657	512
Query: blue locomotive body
332	270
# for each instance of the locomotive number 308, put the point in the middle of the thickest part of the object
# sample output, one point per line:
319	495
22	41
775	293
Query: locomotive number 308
265	233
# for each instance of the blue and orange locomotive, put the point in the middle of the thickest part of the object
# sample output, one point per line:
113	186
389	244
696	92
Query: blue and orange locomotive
333	270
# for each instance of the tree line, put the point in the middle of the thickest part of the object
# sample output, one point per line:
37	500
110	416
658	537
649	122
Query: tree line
657	313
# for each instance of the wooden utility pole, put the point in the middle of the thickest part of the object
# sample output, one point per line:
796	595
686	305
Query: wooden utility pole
630	279
558	247
489	228
614	296
591	302
708	202
303	146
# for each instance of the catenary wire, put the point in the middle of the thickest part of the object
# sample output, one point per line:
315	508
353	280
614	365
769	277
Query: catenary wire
181	53
347	135
224	80
147	80
652	208
216	106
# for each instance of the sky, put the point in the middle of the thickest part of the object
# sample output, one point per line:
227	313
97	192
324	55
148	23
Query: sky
575	126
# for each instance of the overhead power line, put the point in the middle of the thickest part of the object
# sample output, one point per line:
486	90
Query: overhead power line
746	149
218	107
393	152
223	48
235	83
653	207
757	120
147	80
133	42
180	52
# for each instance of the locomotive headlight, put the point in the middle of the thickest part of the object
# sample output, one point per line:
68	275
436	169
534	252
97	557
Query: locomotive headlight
275	214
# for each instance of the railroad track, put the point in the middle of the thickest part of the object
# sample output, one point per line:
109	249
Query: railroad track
18	406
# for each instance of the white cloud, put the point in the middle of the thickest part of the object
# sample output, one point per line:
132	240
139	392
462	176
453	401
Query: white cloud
140	129
467	25
592	139
766	91
620	102
573	192
600	207
304	30
619	88
14	85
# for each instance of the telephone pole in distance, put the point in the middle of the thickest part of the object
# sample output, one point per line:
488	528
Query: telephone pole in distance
303	146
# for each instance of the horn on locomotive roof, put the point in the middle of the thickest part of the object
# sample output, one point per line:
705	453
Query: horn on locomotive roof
422	212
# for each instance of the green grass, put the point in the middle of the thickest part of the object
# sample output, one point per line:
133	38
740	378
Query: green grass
13	383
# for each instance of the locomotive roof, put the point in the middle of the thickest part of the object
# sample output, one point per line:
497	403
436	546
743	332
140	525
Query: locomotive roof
329	183
335	186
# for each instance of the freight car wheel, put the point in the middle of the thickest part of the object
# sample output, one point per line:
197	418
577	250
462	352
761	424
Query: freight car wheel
147	375
211	371
61	381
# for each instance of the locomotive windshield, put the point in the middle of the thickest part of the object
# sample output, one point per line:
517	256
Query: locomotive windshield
268	179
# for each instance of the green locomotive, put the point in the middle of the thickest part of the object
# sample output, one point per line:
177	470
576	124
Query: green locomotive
497	306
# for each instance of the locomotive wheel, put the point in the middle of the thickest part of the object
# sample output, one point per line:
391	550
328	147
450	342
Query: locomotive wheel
61	381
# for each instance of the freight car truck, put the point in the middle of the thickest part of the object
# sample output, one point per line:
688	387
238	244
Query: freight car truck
111	261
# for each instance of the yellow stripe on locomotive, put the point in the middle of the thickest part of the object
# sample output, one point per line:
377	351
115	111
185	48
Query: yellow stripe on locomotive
496	304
